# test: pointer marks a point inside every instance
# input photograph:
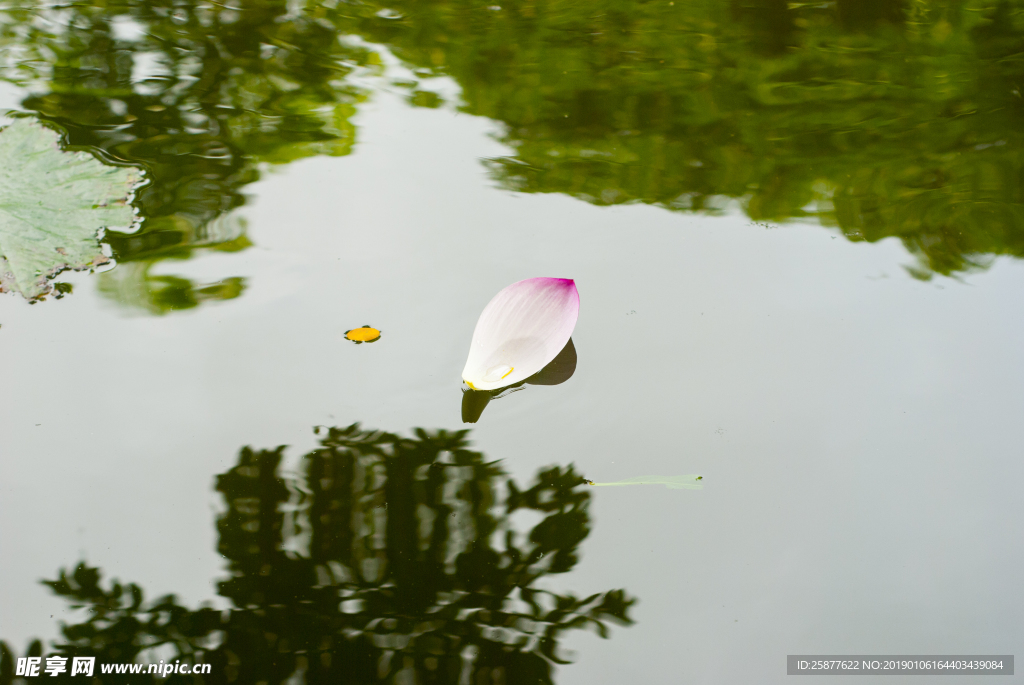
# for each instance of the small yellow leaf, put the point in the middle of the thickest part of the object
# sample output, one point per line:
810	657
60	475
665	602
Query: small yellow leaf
365	334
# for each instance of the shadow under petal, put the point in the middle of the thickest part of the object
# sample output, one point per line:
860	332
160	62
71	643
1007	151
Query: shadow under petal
558	370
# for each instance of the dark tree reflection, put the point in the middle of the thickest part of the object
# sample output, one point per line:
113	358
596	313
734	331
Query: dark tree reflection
388	559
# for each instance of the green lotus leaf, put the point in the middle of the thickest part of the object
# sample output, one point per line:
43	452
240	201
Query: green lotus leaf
53	206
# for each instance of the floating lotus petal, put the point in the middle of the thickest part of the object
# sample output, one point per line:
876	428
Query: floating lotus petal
523	328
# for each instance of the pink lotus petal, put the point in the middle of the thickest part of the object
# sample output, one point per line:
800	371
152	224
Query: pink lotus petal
523	328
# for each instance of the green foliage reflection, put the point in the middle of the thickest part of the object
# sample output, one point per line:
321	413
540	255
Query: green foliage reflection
201	94
388	559
884	118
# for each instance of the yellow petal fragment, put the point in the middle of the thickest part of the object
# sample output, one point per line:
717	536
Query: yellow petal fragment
364	334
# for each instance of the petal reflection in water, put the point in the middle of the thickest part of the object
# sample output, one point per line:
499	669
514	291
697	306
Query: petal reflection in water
559	370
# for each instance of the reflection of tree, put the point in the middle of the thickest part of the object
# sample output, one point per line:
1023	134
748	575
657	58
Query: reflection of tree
132	285
388	560
199	93
882	117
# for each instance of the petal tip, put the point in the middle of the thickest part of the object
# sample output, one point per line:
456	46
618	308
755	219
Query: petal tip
567	283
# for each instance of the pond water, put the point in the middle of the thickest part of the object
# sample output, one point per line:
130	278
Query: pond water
796	231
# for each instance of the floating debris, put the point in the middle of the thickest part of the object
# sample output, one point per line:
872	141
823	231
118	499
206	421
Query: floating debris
688	482
366	334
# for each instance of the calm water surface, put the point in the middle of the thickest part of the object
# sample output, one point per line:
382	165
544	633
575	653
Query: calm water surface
797	234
